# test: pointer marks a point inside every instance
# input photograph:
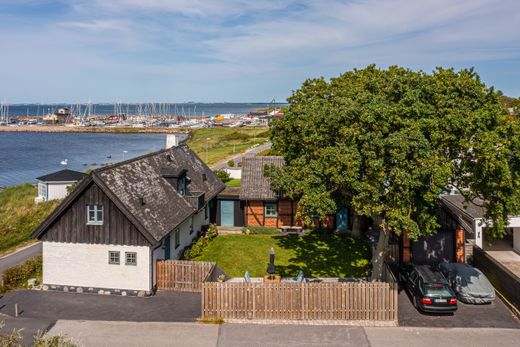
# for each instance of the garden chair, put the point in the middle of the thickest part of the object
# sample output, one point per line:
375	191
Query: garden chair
299	279
247	277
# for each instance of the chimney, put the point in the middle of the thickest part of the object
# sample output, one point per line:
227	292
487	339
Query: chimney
174	140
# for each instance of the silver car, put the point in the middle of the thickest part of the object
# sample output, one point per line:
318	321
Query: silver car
469	283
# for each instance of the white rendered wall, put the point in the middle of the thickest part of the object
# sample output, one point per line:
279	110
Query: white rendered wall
86	265
57	190
234	173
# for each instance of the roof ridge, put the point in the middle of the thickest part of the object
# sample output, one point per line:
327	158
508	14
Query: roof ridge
121	163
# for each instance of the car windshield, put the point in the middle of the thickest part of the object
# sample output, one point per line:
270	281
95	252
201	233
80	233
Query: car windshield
438	290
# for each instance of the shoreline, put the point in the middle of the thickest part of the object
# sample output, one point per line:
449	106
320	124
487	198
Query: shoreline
67	129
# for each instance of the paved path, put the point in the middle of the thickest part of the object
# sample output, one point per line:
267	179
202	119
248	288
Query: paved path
238	158
20	256
494	315
113	334
163	307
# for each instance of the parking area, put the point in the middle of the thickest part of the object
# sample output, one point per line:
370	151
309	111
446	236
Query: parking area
163	307
494	315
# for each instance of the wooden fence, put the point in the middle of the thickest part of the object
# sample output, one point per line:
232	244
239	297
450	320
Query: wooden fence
182	275
347	301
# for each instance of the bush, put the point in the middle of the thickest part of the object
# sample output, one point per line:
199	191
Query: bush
261	230
223	175
231	163
200	243
17	276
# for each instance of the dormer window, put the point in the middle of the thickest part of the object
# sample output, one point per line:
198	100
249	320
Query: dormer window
181	185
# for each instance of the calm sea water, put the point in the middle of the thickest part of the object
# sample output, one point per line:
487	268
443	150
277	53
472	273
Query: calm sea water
186	109
25	156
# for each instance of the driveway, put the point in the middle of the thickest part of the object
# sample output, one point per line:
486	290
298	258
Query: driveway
163	307
494	315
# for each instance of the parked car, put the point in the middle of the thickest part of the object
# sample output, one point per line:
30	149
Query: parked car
428	288
469	283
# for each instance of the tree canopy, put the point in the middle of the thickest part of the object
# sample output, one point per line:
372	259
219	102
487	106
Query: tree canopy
387	142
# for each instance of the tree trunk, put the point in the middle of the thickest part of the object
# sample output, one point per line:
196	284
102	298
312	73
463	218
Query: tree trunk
356	226
379	254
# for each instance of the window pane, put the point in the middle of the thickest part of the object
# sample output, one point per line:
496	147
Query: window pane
113	257
99	213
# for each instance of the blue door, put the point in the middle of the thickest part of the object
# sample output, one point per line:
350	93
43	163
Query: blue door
227	215
342	219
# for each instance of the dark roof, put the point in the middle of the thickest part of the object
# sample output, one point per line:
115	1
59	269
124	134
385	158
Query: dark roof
469	210
130	183
62	176
230	192
254	185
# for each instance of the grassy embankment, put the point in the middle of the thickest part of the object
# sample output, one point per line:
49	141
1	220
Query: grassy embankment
222	141
19	215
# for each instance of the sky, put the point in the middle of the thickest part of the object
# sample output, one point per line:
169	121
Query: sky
240	50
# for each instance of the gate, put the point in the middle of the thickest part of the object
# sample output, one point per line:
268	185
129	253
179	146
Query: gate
182	275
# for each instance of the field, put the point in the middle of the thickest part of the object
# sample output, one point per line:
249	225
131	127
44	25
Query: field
318	255
225	142
19	215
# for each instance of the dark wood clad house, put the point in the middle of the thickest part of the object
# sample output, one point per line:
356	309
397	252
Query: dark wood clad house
121	219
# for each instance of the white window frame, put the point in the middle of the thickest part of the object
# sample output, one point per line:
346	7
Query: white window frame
131	254
98	210
270	204
114	262
42	190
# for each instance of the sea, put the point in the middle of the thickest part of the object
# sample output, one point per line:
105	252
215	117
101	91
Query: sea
25	156
183	109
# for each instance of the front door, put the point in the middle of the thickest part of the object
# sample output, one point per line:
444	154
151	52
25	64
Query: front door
227	215
342	219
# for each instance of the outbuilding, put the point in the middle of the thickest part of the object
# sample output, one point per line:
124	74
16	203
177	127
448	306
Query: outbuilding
54	186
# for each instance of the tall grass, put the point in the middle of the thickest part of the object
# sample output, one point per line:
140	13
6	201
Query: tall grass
19	215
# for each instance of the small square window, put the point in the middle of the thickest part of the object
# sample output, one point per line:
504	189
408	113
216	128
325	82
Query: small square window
130	258
191	225
177	238
113	257
271	209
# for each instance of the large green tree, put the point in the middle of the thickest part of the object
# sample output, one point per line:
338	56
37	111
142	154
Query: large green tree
387	142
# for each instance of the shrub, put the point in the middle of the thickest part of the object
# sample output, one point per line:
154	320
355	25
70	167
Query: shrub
223	175
200	243
53	341
17	276
231	163
261	230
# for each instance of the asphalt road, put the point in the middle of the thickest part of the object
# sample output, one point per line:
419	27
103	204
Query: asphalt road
20	256
238	158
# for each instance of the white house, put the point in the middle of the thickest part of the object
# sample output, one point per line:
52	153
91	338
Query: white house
109	233
54	185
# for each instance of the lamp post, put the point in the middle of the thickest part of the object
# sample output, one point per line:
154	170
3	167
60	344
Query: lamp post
207	144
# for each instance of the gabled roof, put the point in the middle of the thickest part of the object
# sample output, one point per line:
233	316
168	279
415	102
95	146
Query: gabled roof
254	185
140	191
469	210
65	175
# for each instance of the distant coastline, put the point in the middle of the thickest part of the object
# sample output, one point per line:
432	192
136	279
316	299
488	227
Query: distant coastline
69	129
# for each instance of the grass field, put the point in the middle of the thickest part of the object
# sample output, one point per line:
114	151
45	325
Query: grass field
318	255
19	215
222	141
234	182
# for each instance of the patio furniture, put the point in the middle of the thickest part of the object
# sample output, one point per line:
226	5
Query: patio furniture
292	231
247	277
299	279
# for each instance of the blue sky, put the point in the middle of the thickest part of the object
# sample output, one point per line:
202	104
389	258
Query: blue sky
240	50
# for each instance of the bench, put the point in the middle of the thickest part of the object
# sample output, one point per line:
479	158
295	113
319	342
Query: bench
291	231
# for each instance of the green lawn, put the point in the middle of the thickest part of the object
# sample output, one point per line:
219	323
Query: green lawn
318	255
234	182
222	141
19	215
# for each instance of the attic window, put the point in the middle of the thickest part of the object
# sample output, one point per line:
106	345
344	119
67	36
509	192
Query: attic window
204	177
142	201
169	157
